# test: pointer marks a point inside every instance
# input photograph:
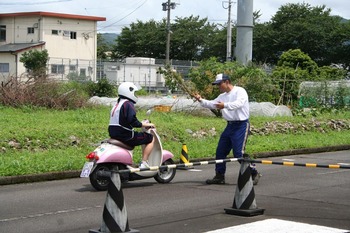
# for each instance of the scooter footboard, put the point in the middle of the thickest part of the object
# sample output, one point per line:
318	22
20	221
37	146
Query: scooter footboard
142	175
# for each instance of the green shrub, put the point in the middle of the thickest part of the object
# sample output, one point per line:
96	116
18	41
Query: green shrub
102	88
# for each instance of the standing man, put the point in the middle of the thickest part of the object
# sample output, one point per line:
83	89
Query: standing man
234	105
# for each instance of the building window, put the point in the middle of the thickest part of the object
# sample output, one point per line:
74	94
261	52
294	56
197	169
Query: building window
73	35
57	69
66	33
72	68
4	67
83	72
30	30
54	32
2	32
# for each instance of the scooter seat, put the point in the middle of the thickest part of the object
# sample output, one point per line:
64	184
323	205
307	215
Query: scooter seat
119	143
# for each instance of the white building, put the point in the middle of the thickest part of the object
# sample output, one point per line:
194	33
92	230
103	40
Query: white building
71	42
139	70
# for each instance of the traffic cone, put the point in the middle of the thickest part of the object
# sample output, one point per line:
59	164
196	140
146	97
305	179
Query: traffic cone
115	218
244	203
184	157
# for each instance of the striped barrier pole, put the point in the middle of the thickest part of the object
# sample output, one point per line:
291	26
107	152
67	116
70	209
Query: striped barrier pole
200	163
176	166
288	163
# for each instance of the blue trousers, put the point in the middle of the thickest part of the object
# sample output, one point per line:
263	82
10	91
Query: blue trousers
234	137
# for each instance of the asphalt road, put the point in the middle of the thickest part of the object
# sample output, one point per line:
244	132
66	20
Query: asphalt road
318	196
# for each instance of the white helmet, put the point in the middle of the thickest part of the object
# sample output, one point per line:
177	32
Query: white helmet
127	90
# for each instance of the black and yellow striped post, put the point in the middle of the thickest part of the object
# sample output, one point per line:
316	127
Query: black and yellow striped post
115	218
244	203
184	157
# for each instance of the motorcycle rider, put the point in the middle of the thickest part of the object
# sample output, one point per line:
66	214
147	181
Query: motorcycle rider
123	120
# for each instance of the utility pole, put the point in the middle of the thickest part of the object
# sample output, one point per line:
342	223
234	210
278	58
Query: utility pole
244	41
167	6
229	32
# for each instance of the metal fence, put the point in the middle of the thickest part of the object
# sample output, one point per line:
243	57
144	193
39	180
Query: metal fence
116	71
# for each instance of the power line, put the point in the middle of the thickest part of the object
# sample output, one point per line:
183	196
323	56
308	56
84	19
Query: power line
124	16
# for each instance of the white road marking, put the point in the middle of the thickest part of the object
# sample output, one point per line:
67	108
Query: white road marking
277	225
49	213
332	172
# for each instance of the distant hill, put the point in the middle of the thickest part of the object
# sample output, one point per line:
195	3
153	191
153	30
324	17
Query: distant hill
110	38
344	20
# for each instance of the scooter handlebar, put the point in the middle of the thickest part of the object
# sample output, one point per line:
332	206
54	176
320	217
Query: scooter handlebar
147	128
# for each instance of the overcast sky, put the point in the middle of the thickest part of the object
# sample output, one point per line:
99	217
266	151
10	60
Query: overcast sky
120	13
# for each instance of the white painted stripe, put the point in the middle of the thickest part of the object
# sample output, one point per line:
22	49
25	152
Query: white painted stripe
194	170
276	225
48	213
331	172
290	160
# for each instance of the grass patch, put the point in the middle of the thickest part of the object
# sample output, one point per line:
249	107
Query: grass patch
36	140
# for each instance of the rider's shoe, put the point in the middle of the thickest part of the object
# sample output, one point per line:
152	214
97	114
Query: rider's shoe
218	179
256	177
144	164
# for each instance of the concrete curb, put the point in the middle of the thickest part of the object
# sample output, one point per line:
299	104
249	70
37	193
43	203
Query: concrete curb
7	180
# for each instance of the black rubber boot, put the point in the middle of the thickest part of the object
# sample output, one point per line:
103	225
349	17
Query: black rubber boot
218	179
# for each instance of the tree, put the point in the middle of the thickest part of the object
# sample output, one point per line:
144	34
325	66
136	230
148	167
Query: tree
293	67
35	62
313	30
192	38
310	29
215	43
102	47
340	53
141	40
263	40
251	77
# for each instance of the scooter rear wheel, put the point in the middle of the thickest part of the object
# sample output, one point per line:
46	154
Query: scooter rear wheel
166	175
99	183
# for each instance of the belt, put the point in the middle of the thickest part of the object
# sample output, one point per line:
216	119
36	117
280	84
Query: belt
236	122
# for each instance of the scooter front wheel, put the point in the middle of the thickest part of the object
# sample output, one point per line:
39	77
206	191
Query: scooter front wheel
166	175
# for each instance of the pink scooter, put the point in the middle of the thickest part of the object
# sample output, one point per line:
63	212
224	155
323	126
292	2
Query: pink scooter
112	154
